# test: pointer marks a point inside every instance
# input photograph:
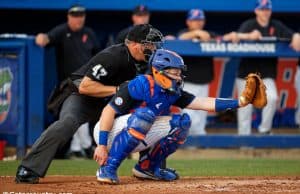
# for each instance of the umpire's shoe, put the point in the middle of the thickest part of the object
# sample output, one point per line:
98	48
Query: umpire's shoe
106	175
25	175
166	174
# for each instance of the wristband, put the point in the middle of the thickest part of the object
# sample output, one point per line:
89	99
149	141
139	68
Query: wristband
226	104
103	136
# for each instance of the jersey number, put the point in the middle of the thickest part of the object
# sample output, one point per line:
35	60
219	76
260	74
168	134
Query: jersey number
99	71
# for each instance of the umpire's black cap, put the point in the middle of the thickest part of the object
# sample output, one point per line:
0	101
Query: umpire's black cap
76	10
144	33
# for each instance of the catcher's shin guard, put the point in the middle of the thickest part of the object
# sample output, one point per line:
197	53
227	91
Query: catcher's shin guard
124	143
149	165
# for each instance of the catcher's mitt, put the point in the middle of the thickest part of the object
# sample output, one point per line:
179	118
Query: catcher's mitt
254	92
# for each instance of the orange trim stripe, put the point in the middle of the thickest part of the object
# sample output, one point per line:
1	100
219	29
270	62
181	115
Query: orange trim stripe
175	109
136	134
151	82
156	149
181	142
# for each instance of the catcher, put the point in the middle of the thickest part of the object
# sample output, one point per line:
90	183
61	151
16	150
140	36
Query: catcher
150	124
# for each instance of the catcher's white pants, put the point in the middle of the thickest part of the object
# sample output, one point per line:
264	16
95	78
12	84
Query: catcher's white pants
297	86
159	130
198	117
245	113
81	139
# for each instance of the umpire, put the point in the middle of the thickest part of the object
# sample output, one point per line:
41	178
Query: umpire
96	81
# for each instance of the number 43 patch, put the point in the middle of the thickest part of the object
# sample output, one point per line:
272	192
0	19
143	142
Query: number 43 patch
99	71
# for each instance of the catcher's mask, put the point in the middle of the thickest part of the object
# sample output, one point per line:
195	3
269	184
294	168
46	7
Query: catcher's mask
150	37
167	67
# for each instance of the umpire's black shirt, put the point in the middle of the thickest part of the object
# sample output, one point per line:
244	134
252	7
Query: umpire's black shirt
111	66
267	67
73	49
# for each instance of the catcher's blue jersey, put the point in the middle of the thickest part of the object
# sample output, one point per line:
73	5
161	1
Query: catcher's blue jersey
144	91
155	97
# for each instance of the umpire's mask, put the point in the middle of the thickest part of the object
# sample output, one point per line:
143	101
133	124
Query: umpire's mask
150	37
154	40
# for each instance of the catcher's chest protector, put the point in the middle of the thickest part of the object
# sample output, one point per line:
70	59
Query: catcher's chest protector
155	97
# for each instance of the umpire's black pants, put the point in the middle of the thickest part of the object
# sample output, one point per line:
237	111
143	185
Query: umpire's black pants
76	110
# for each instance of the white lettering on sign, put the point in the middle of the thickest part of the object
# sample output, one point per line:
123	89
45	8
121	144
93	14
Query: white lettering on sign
239	47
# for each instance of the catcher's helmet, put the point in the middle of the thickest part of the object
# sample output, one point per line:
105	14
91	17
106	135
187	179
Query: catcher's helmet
160	61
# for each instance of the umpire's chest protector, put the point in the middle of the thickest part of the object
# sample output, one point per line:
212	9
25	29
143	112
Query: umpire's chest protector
156	98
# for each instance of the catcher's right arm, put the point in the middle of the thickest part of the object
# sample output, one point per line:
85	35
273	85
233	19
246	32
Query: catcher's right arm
254	92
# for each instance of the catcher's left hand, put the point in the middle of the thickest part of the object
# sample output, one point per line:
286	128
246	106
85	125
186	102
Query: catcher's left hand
254	92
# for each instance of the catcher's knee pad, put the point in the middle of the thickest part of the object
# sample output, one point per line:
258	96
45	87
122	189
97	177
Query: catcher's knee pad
140	122
180	125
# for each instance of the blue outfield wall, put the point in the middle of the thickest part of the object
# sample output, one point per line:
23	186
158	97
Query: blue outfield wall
155	5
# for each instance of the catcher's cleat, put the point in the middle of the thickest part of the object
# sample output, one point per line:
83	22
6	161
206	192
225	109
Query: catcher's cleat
171	170
27	176
138	172
106	175
166	174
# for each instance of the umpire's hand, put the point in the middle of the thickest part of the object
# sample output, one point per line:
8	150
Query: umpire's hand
101	154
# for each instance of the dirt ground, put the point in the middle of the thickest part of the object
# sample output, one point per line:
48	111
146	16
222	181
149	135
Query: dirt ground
185	185
131	185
